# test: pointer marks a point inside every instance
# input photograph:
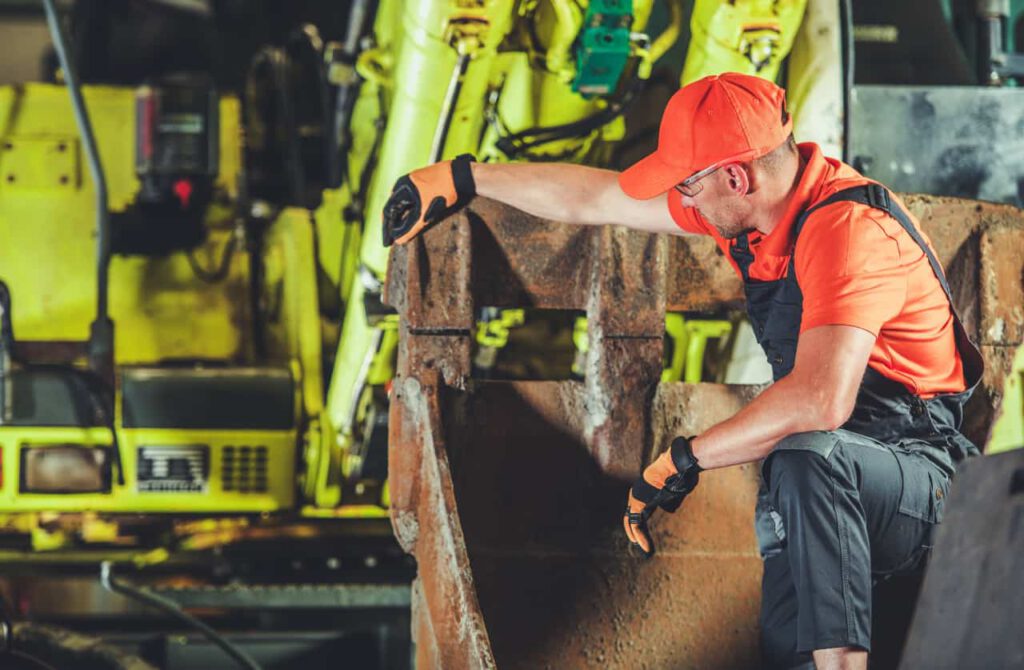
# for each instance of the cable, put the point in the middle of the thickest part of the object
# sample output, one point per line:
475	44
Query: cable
7	641
171	608
34	661
358	203
95	384
98	392
219	273
102	330
517	144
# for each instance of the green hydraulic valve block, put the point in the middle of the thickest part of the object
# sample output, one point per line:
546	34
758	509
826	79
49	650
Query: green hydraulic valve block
603	47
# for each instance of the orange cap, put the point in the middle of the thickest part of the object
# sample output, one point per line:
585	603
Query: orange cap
720	119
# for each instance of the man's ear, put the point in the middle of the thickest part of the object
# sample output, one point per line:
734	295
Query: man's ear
737	178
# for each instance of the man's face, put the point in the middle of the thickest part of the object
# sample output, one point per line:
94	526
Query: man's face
719	205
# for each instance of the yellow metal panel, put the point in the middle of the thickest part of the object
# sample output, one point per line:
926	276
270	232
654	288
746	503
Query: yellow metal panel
161	310
44	110
294	314
230	145
1008	430
749	36
280	492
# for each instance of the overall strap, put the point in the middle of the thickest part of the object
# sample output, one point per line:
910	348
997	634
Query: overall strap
877	196
742	255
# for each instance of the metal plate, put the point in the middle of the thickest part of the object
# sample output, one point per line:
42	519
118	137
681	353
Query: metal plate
40	162
955	140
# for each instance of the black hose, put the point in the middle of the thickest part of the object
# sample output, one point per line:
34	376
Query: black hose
356	209
218	273
171	608
517	144
28	661
309	37
7	649
451	100
348	92
101	345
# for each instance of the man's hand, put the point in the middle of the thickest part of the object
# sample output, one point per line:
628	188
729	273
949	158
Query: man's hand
445	187
664	484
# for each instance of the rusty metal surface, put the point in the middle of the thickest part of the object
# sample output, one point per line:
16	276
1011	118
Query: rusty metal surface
510	494
1001	287
448	627
556	581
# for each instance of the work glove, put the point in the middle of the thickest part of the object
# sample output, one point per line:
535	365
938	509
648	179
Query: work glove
445	187
664	484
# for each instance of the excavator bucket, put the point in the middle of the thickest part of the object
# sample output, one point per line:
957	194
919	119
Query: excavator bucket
510	494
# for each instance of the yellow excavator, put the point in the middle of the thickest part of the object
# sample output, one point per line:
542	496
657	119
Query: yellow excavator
195	357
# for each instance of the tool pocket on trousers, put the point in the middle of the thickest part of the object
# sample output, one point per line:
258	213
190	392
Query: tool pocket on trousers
769	529
924	489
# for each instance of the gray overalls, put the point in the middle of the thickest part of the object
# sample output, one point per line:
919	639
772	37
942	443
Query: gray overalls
839	509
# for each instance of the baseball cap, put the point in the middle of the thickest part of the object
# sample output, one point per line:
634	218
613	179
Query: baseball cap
720	119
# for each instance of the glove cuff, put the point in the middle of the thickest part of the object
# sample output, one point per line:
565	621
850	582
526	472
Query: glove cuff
462	177
683	458
644	491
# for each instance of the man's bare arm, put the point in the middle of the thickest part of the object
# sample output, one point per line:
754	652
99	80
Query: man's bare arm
573	194
819	394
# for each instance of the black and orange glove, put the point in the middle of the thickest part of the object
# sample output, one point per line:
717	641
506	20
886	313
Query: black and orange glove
444	187
664	484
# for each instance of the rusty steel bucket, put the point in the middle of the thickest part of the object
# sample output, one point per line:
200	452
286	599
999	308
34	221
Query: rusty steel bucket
510	494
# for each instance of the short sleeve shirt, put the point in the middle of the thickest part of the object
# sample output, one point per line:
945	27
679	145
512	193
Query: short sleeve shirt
856	266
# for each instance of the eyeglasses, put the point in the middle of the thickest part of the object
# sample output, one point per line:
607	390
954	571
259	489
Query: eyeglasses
691	185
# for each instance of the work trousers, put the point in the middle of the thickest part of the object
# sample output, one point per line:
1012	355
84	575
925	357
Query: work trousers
838	512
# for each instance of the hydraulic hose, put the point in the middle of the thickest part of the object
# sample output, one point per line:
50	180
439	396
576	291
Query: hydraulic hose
101	336
451	99
517	144
347	93
170	607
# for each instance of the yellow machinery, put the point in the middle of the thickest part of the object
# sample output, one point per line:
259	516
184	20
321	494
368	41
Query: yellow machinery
214	399
221	400
751	36
1008	429
533	80
204	424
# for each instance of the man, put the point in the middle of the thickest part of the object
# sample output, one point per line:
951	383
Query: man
859	434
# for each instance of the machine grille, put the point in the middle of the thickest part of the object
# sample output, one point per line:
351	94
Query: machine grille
244	469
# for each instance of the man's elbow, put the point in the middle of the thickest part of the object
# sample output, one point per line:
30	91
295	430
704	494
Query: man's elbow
826	409
834	410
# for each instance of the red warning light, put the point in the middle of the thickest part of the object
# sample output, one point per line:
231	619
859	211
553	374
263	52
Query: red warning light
183	190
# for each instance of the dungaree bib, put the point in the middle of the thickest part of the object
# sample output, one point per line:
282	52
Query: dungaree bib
885	410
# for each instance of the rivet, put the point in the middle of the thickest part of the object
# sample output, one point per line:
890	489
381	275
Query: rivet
10	179
63	179
62	147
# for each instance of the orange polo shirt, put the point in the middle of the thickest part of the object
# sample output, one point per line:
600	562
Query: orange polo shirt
856	267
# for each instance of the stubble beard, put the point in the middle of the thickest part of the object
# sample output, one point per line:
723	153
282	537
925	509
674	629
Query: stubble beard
728	231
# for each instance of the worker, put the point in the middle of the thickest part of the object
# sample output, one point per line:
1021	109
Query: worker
859	434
